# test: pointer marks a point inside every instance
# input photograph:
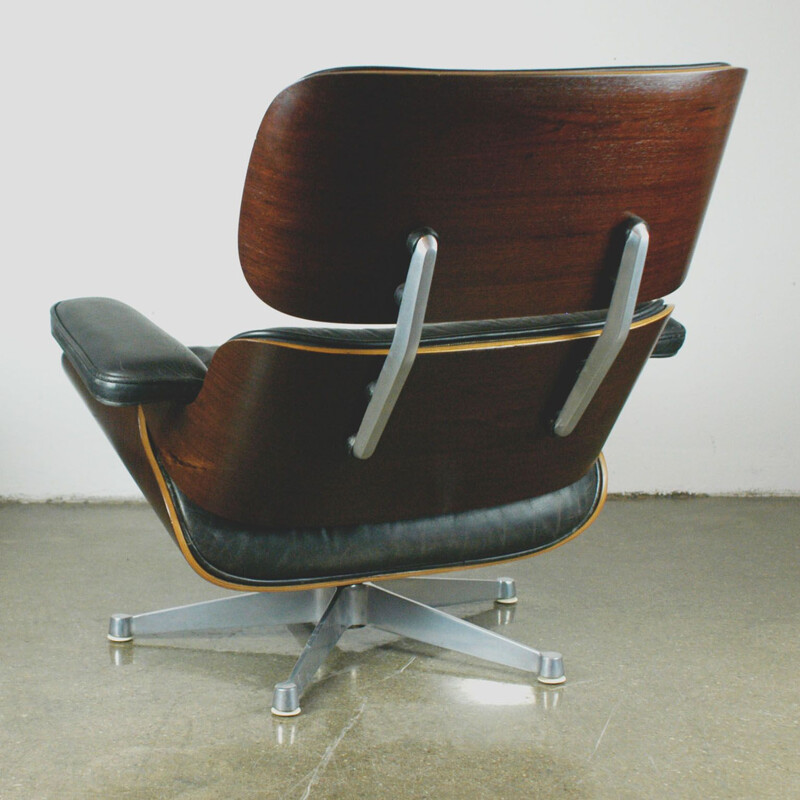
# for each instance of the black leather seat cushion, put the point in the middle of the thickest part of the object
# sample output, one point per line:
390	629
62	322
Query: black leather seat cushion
293	557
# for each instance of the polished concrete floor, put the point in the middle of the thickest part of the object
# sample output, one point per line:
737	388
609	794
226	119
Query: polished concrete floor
678	620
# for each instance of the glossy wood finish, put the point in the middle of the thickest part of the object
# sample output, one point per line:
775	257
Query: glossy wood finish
265	440
121	426
179	535
525	176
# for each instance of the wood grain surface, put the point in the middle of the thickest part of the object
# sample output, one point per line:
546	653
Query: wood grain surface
266	439
525	176
528	179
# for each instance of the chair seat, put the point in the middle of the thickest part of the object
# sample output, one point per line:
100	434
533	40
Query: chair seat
278	557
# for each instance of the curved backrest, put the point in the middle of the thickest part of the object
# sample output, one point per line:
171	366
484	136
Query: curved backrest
265	441
525	176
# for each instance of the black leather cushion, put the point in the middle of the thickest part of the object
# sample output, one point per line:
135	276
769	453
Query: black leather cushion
458	332
250	556
450	333
670	341
122	357
205	354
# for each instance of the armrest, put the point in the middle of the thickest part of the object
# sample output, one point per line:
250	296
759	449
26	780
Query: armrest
122	357
670	341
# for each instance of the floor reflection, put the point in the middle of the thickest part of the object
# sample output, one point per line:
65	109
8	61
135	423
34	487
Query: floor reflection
482	692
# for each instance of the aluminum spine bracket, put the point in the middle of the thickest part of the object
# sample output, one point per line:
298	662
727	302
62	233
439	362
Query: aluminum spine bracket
615	331
423	245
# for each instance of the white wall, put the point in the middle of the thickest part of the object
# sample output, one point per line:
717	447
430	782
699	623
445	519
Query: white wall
126	129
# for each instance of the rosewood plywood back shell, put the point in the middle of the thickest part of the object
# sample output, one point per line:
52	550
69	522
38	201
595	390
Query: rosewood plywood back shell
524	175
527	178
265	442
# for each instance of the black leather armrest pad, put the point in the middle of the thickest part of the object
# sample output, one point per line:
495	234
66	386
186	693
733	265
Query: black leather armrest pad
122	357
670	341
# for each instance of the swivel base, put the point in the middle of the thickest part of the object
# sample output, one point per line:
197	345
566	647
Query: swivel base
416	613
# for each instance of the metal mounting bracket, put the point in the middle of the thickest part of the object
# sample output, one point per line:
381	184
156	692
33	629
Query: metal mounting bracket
403	350
615	330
